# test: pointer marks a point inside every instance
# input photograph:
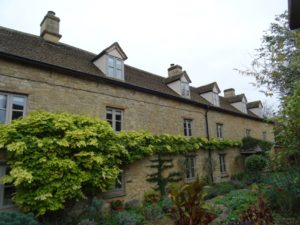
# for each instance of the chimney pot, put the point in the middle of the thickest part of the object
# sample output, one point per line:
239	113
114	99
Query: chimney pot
50	27
174	70
229	92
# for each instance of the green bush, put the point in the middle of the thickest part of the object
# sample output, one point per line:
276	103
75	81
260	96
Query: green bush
282	189
219	189
152	212
166	204
255	163
128	218
249	143
237	201
16	218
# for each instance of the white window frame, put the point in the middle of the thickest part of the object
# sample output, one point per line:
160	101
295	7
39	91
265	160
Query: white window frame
222	159
9	103
219	129
187	127
114	67
216	99
185	89
190	168
114	113
3	169
247	132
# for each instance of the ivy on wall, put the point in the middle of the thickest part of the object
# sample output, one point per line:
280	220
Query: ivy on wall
56	158
249	143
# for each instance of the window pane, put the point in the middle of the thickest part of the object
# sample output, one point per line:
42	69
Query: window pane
110	62
118	117
2	116
118	126
108	116
16	114
118	184
110	71
3	101
18	103
7	196
119	74
119	64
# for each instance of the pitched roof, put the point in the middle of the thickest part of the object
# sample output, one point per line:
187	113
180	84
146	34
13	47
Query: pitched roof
256	104
236	98
177	77
207	88
106	50
35	50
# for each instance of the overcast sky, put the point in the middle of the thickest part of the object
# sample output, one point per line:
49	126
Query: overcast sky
208	38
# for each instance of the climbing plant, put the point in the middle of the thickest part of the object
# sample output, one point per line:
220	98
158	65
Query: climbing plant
159	177
58	157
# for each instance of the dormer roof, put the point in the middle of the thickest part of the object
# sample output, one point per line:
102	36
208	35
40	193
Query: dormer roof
110	48
177	77
237	98
255	104
208	88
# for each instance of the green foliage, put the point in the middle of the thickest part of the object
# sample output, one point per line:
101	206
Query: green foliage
161	164
59	158
282	189
288	130
255	163
166	204
152	212
237	201
117	205
276	65
128	218
249	143
54	157
258	214
219	189
190	207
16	218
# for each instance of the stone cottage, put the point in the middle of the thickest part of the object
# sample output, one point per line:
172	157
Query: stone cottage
39	72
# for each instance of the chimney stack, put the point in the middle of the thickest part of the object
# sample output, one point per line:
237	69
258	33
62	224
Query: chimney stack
229	92
50	28
174	70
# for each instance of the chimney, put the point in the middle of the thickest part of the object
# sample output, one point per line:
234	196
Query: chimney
229	92
174	70
50	28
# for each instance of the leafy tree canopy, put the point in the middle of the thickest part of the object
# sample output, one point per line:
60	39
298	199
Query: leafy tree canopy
276	65
55	158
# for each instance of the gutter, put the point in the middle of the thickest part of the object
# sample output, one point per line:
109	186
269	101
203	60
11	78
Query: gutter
210	167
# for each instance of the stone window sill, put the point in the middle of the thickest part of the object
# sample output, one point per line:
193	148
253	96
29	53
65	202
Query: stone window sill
224	175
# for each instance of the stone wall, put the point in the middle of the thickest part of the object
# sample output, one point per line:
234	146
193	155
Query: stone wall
56	92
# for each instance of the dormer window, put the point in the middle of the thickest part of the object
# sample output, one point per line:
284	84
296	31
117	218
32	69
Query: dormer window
216	99
185	89
111	61
115	67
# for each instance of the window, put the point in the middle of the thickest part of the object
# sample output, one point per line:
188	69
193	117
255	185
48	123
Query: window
11	107
222	163
6	190
219	131
187	127
264	135
216	99
115	118
118	189
115	67
248	133
190	168
185	89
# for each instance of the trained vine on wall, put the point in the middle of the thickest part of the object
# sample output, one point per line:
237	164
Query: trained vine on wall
58	157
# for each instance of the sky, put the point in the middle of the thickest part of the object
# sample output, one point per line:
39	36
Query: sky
208	38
